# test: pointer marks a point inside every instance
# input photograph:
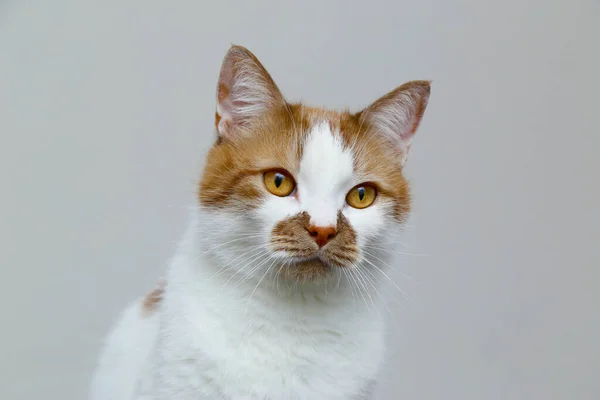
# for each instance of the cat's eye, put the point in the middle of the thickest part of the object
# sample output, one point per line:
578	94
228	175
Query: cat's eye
361	196
280	183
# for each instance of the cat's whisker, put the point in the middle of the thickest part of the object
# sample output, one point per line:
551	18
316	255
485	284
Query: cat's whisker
339	273
253	252
253	270
277	276
388	278
388	265
354	279
374	281
256	257
365	290
362	280
284	264
392	297
259	282
229	242
396	252
250	252
347	275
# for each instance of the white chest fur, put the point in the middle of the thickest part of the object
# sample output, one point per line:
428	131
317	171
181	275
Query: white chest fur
225	339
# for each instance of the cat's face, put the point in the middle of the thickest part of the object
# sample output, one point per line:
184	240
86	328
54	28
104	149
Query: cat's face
303	190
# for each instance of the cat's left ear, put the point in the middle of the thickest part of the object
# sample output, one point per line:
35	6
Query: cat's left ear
245	92
397	114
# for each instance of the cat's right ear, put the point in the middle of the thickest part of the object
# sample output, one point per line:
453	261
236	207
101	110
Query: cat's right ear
397	115
245	91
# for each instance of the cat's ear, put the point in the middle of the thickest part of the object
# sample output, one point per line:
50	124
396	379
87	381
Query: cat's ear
397	114
245	91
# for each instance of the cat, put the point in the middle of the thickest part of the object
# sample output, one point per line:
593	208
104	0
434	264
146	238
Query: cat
271	290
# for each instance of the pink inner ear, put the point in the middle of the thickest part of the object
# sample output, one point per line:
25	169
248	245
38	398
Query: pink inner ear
228	119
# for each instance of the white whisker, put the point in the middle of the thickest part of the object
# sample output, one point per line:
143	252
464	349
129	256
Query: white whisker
259	282
388	265
250	252
354	278
345	271
261	254
229	242
389	279
250	273
361	276
396	252
373	280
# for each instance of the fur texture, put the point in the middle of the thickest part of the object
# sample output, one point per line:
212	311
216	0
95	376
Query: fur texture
272	293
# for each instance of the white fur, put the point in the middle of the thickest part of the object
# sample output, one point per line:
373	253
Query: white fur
325	175
228	328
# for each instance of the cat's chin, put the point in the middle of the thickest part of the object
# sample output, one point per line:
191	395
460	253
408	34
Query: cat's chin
312	270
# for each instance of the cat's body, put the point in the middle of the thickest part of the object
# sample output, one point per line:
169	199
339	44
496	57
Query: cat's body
272	291
219	343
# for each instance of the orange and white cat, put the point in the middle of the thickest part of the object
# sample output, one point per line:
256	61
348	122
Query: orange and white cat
266	295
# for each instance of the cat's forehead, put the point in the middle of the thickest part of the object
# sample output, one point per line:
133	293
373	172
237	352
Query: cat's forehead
317	143
326	161
339	141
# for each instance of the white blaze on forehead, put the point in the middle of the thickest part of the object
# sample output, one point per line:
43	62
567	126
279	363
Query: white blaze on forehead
326	170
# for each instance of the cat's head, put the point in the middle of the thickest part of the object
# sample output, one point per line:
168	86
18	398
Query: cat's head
299	190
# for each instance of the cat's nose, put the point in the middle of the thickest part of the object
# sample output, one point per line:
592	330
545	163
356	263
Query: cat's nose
322	234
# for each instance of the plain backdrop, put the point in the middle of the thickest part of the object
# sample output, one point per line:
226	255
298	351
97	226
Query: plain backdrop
107	112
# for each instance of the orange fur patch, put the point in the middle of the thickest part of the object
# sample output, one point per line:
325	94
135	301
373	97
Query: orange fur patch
153	299
233	172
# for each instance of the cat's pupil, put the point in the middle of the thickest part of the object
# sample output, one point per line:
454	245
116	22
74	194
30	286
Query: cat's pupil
361	193
278	180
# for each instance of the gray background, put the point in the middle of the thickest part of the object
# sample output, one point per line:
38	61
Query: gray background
107	111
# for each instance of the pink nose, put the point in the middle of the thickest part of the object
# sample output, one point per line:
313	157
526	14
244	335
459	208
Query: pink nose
322	234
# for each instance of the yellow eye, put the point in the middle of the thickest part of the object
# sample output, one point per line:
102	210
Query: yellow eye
280	183
362	196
